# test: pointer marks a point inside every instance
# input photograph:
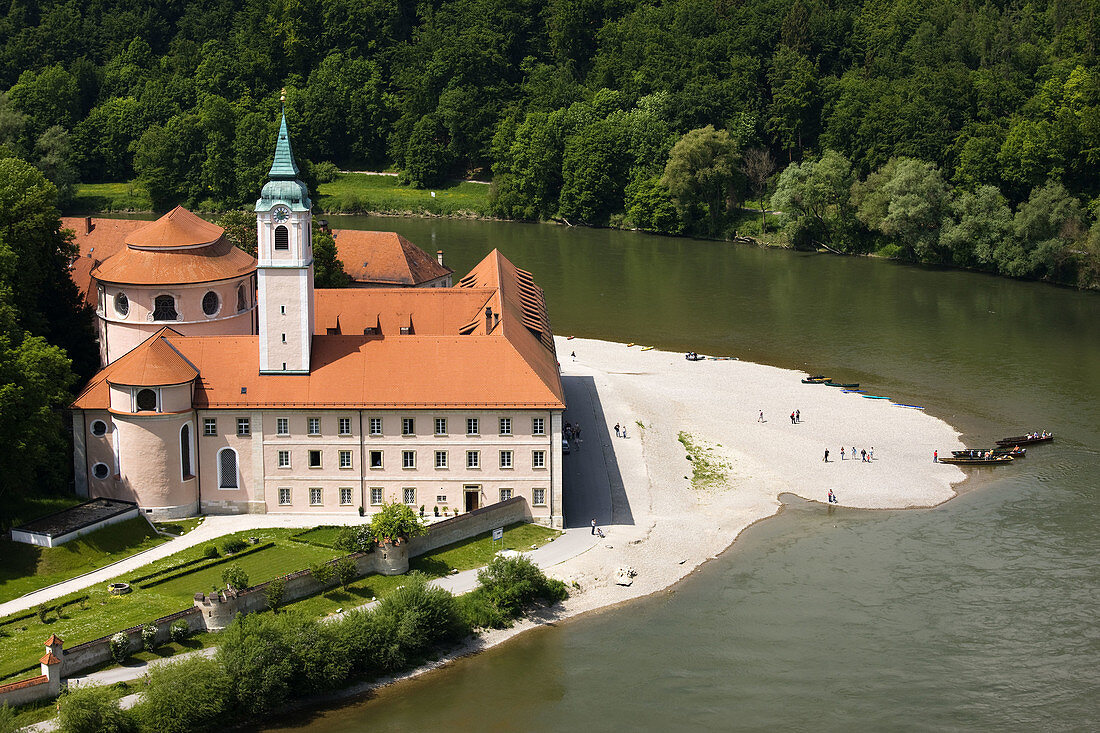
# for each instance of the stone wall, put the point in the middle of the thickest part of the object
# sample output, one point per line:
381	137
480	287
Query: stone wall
95	652
25	691
468	525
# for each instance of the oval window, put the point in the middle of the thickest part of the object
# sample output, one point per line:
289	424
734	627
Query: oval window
146	400
100	470
99	427
122	304
210	303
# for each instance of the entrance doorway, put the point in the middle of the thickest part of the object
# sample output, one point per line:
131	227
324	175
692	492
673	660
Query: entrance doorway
473	494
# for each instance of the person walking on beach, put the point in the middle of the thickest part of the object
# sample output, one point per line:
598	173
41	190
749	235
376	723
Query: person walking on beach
574	355
616	430
624	430
841	455
792	418
871	454
761	418
863	456
593	526
826	458
935	456
797	416
832	497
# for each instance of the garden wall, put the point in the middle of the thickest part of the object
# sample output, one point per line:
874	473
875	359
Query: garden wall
468	525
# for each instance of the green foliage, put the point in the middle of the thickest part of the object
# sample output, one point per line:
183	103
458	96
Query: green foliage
325	172
188	695
179	631
233	544
328	271
235	577
240	229
346	571
274	593
421	616
395	521
148	637
906	200
814	197
511	583
702	173
7	720
323	573
93	709
354	539
120	647
649	206
210	552
478	612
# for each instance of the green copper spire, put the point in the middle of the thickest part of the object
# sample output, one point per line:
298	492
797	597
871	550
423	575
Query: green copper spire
283	166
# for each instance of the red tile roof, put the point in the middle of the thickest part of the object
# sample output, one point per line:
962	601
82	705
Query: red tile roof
179	228
31	682
106	238
154	362
54	639
436	366
218	261
49	658
386	258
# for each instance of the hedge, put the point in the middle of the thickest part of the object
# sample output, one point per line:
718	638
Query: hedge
208	564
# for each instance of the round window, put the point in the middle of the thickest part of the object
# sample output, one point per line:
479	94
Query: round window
99	427
210	303
146	400
100	470
122	304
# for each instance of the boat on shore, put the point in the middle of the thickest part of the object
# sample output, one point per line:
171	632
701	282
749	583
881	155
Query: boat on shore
1028	439
965	461
845	385
1015	452
875	397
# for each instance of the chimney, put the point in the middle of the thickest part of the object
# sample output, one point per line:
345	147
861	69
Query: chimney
439	257
488	319
88	225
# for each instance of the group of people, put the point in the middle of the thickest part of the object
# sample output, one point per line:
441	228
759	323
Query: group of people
573	432
796	417
865	456
620	431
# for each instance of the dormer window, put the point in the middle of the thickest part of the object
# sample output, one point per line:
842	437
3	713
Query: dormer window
145	400
242	299
282	238
122	304
164	308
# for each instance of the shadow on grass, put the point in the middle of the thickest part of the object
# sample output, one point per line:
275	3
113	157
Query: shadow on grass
430	566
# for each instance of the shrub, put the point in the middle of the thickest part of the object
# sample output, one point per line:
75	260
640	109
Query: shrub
43	612
274	592
423	616
7	720
346	571
354	539
233	544
188	695
322	572
93	709
120	647
235	577
210	552
179	631
149	637
510	583
478	612
325	171
395	521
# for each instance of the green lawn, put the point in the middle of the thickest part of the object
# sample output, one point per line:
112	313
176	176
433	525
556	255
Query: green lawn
27	567
362	193
179	527
92	198
21	508
21	641
324	536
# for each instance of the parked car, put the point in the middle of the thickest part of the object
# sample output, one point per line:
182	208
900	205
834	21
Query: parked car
565	445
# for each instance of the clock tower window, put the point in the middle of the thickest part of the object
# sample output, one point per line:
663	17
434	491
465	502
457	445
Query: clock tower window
282	237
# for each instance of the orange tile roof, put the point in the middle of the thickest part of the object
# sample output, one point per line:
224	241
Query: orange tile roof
154	362
218	261
106	238
49	658
437	366
54	639
30	682
177	229
386	258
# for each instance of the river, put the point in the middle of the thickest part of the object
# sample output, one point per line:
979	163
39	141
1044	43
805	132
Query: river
978	614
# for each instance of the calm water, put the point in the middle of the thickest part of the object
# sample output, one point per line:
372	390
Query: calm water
980	614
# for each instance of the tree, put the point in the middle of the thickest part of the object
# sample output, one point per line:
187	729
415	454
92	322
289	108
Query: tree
54	154
48	97
702	169
395	522
593	173
759	167
187	695
814	198
93	709
1046	226
793	81
346	571
235	577
328	270
981	224
323	573
649	206
427	158
907	200
274	593
240	229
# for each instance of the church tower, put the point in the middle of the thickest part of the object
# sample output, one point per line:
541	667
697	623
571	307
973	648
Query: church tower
284	269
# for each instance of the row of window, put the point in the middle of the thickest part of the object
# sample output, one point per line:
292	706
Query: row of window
164	306
377	496
408	426
505	459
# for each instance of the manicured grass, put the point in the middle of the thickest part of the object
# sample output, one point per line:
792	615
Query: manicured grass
179	526
324	536
362	193
27	567
91	198
21	642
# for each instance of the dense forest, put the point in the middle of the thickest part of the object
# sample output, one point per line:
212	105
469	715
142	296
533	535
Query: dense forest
939	131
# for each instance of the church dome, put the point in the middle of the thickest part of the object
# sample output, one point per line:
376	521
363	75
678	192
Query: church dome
292	192
177	229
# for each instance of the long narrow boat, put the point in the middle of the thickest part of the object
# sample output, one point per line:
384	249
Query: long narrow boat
845	385
912	407
1026	439
1015	452
875	397
963	461
852	391
815	380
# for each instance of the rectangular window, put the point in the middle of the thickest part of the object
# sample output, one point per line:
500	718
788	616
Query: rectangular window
505	494
441	426
315	497
209	426
315	459
408	459
471	426
538	459
505	426
409	495
408	426
506	459
284	497
376	459
538	426
375	495
345	426
345	497
473	459
244	427
538	497
284	459
345	459
441	459
440	498
376	426
314	426
282	426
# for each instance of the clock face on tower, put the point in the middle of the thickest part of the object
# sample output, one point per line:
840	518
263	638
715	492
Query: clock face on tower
280	214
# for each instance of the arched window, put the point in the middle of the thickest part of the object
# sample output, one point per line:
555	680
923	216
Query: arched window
185	451
122	304
242	299
210	303
282	238
164	308
227	468
146	400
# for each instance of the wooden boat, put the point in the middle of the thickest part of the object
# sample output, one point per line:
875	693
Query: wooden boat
817	377
984	452
811	380
630	344
845	385
692	356
1026	439
963	461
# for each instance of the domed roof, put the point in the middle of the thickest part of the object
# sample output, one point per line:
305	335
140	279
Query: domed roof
177	229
